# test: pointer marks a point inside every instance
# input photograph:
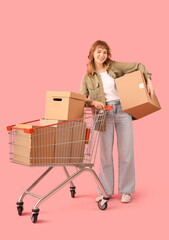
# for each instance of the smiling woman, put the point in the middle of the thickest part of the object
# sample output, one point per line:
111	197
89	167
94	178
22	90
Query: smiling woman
98	83
98	54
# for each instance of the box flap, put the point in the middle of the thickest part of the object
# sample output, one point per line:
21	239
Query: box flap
24	126
66	94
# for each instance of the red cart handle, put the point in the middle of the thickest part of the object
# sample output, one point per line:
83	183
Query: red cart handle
109	108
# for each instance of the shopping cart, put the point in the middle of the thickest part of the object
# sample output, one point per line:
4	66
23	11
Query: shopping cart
67	143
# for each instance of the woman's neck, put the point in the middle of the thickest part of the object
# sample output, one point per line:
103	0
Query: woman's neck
99	68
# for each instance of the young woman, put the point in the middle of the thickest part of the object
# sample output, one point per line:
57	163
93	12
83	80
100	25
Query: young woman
98	83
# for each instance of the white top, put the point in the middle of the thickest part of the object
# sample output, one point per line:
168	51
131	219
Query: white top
110	90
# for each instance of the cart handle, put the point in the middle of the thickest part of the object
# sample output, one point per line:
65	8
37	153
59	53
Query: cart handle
108	108
9	128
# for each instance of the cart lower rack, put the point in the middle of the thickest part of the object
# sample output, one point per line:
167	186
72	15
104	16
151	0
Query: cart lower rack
67	143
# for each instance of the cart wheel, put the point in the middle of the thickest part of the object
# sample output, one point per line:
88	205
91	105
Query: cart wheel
72	193
34	217
102	207
20	210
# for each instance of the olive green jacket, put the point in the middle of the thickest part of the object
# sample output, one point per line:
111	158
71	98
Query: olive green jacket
92	85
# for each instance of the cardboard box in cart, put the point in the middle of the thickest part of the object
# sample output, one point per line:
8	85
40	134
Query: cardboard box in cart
69	142
62	140
33	148
64	105
78	141
134	97
60	143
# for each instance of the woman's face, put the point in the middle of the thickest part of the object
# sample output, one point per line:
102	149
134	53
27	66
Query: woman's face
100	55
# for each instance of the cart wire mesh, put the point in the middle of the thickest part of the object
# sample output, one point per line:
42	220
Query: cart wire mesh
74	142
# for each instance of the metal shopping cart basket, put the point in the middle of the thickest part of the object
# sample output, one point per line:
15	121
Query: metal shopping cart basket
67	143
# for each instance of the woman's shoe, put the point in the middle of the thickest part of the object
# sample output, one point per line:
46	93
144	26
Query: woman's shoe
101	196
126	198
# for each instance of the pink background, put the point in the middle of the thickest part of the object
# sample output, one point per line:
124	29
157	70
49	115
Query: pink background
44	46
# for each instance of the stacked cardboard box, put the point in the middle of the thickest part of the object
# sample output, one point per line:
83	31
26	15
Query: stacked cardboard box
70	136
64	105
33	148
69	143
55	140
78	141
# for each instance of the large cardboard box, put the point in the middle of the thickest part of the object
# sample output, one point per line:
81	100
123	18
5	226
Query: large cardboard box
134	97
69	144
62	140
62	143
78	141
33	148
62	147
64	105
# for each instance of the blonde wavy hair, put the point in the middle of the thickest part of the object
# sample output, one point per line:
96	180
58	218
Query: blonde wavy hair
90	64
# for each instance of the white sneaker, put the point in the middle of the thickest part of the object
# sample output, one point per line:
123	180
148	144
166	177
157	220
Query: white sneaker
126	198
101	196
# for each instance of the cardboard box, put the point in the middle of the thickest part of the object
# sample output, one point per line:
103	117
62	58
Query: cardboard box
62	147
64	105
45	122
69	140
62	140
134	97
36	148
78	141
62	143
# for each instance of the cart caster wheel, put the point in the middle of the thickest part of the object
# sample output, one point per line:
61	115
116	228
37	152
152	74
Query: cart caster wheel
102	207
34	215
19	208
72	191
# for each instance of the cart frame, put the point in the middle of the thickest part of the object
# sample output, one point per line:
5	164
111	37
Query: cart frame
80	167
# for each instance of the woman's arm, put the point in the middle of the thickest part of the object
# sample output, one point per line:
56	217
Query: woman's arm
84	91
126	67
98	105
150	88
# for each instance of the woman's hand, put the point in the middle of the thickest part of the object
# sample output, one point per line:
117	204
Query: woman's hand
150	88
98	105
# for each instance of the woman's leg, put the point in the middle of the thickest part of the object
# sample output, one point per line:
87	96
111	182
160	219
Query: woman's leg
106	168
126	178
